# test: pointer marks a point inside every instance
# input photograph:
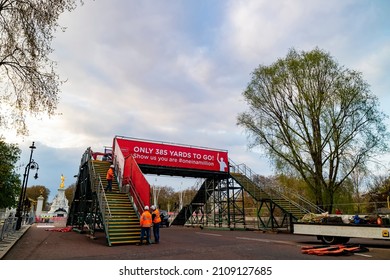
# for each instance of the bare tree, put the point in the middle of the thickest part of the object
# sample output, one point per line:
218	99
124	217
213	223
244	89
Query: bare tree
315	118
28	81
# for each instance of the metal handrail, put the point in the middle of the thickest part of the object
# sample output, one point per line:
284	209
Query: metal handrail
8	226
101	195
130	189
245	170
117	172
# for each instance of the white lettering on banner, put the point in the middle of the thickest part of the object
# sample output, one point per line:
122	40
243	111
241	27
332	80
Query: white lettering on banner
148	153
143	150
208	157
196	162
161	152
197	156
137	156
162	159
180	154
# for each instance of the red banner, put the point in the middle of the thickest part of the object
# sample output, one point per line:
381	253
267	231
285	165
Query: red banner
170	155
141	185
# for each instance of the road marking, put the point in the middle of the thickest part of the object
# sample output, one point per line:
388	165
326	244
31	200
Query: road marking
212	234
267	240
363	255
44	226
255	239
288	243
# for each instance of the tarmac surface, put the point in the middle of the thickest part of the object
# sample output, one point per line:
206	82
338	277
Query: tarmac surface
42	242
45	242
11	239
203	253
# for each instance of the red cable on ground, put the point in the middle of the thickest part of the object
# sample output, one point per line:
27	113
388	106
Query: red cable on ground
333	250
65	229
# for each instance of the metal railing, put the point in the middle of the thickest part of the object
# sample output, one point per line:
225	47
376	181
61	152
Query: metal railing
135	198
118	172
130	188
8	227
276	191
101	196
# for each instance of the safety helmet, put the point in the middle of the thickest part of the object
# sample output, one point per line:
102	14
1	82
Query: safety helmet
153	207
146	207
112	166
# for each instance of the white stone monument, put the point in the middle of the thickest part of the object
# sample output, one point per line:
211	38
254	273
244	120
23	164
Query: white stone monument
39	206
60	207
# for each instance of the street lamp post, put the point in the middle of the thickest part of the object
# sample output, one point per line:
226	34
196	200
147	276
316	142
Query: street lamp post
31	165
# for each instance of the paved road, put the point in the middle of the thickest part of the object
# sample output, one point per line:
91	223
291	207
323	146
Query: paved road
180	243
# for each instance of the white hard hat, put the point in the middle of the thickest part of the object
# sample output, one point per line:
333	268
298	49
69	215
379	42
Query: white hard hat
112	166
153	207
146	207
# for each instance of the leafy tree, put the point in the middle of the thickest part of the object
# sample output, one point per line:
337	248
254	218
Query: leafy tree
28	81
378	193
315	118
168	198
10	184
69	192
165	197
294	185
34	192
188	194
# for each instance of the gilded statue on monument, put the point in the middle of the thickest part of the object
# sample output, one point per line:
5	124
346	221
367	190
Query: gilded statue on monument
62	185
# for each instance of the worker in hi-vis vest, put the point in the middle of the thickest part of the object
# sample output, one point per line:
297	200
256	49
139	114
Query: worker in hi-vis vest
146	224
156	219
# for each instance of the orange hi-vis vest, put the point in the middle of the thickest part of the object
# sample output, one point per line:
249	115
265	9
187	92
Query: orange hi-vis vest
157	218
110	174
146	219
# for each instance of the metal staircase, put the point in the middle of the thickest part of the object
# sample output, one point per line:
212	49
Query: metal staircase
216	204
274	208
198	202
259	194
121	221
92	208
219	202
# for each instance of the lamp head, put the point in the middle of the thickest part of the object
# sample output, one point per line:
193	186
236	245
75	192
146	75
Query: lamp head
32	147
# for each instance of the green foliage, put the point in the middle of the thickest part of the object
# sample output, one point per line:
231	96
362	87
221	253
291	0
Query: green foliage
315	119
28	81
69	193
34	192
10	184
168	198
378	193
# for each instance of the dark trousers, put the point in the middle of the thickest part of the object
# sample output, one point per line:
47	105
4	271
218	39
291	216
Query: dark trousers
156	232
145	231
109	186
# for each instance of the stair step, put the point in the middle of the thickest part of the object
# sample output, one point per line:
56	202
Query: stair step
125	242
125	210
123	229
121	216
257	193
123	224
125	237
124	234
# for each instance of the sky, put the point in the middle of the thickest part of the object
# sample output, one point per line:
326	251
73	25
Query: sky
175	71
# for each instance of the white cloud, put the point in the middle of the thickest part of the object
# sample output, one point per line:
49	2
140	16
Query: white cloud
262	31
163	71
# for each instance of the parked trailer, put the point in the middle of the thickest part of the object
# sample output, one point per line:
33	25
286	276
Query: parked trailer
341	233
